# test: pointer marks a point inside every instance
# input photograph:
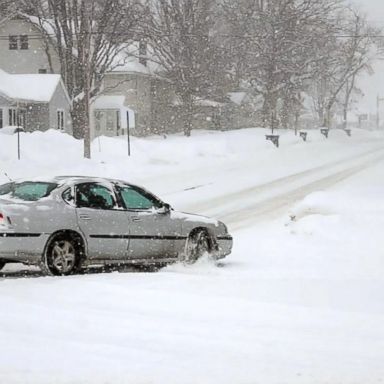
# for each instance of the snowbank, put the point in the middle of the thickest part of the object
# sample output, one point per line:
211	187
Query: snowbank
299	301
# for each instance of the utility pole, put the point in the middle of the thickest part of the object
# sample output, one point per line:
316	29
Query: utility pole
378	100
87	86
18	130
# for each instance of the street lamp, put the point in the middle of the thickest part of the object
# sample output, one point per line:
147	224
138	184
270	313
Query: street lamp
378	100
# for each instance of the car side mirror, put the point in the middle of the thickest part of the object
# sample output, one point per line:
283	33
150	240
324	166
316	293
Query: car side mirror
165	209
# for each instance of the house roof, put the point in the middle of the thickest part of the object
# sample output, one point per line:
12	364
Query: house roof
199	102
237	97
127	60
127	55
34	87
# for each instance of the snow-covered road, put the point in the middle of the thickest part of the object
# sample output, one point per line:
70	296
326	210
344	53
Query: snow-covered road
297	301
269	200
244	207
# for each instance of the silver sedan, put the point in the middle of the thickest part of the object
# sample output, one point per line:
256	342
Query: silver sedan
67	223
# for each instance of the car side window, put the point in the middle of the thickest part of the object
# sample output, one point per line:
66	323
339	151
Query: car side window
96	196
68	196
135	199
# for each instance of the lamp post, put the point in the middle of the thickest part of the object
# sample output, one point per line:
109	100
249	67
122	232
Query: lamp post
18	130
378	100
128	136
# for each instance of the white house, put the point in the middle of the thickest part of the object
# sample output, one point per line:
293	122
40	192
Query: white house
34	101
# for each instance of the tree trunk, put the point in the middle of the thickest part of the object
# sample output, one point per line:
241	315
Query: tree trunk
78	118
188	112
285	112
297	117
327	117
349	89
269	114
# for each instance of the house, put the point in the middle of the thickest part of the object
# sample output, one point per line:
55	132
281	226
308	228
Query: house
133	94
244	109
129	80
34	101
25	50
110	116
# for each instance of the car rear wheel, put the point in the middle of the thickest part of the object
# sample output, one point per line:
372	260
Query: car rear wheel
62	257
198	245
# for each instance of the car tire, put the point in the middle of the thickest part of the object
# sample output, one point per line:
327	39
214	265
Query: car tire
198	244
62	256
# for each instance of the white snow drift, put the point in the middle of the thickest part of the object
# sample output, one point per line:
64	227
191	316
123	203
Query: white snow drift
300	300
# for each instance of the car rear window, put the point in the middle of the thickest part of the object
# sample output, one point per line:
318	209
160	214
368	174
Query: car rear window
28	190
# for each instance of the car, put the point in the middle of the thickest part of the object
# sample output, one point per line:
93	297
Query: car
67	223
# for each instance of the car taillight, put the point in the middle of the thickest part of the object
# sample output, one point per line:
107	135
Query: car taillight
3	220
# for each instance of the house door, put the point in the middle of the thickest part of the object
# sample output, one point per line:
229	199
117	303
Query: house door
107	122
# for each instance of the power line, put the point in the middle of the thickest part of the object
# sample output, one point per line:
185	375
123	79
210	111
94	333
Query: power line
144	35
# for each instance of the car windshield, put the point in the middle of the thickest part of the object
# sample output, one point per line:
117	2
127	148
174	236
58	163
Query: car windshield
28	190
137	198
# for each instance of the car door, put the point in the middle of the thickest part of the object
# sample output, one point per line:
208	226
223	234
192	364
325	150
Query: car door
152	232
103	223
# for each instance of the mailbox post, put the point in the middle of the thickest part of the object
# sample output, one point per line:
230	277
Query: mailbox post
128	136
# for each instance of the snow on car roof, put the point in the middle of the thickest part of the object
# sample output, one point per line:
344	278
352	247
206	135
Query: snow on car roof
67	179
33	87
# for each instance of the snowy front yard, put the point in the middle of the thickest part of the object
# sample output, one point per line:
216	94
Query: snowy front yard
300	300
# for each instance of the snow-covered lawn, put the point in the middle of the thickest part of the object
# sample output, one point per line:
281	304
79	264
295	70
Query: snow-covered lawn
300	300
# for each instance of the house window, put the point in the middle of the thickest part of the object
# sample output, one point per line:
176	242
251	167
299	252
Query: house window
24	42
42	71
1	118
13	42
12	116
21	118
111	121
107	121
98	117
60	120
16	117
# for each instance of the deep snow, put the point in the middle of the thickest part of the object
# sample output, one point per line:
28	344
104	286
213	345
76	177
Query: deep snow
300	300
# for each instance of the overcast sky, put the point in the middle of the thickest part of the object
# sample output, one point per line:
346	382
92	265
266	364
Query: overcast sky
374	8
373	85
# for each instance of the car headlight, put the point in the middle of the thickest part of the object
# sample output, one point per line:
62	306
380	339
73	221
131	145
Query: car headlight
224	227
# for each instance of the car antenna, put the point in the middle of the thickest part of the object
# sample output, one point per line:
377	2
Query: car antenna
5	173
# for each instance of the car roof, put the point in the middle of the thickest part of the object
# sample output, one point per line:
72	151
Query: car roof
67	179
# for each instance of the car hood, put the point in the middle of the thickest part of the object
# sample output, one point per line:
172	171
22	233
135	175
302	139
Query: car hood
190	217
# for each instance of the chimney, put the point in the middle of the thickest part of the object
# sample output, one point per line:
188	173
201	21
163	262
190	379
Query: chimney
143	52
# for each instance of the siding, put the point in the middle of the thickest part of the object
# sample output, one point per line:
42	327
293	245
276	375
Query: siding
24	61
37	116
60	101
137	91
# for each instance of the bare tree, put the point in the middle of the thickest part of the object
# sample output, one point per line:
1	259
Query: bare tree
86	35
346	54
180	34
276	44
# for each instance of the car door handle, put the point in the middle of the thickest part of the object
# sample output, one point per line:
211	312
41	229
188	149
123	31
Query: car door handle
136	218
85	217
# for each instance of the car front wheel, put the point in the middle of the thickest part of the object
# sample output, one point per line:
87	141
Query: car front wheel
62	257
198	245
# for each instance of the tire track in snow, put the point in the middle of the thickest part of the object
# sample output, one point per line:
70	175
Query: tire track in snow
269	200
